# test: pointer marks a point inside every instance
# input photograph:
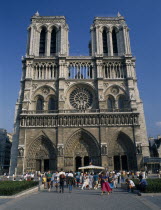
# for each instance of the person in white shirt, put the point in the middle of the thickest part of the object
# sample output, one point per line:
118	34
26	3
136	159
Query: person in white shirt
130	184
86	182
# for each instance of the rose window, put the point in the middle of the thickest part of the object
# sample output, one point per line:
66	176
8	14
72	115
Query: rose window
81	98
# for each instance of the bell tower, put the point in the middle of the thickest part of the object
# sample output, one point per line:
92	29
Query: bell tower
110	37
47	36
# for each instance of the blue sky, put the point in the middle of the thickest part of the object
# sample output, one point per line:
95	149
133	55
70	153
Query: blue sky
143	18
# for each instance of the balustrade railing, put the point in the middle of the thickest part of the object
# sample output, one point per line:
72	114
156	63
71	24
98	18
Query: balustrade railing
74	111
80	71
45	71
114	70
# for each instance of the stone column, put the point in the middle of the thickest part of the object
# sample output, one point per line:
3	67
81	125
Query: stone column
99	70
99	41
66	47
118	42
58	41
121	42
109	41
126	40
62	41
66	42
93	41
48	42
37	41
42	165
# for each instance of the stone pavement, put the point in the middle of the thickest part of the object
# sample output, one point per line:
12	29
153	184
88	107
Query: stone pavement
81	200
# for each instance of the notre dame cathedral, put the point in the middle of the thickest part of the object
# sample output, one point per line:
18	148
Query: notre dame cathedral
73	110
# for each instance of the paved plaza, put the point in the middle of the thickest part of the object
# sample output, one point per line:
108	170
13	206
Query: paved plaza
81	200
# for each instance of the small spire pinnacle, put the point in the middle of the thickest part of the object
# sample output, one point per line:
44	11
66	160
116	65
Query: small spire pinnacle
37	14
118	14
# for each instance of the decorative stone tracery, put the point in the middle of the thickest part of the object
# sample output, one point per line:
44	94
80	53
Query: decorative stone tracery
81	98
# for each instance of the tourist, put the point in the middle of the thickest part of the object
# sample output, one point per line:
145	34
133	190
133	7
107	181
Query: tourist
48	176
90	181
115	180
128	174
95	178
130	185
86	182
110	181
142	184
61	180
44	179
81	179
122	176
32	176
118	177
56	180
104	184
77	179
14	177
70	181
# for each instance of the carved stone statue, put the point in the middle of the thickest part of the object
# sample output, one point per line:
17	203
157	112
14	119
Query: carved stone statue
60	151
21	152
139	149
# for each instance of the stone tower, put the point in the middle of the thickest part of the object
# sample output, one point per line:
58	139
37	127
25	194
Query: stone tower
73	110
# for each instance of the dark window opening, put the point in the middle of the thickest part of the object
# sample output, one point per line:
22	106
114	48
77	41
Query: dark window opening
51	104
121	103
111	104
114	41
124	162
53	42
39	104
42	42
78	162
104	39
117	163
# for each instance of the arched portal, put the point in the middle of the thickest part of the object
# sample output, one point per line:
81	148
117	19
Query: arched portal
81	149
124	155
41	155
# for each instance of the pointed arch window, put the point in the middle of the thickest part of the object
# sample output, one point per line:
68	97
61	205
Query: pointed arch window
51	104
111	103
40	104
42	45
114	42
53	42
104	40
122	103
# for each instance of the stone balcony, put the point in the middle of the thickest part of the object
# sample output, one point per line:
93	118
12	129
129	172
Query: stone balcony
75	118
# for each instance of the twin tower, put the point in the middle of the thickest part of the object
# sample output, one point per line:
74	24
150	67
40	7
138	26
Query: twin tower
48	37
73	110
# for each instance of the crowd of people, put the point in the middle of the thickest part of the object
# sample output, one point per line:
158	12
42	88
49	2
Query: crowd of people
104	180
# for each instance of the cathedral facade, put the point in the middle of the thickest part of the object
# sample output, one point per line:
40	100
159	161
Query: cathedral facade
73	110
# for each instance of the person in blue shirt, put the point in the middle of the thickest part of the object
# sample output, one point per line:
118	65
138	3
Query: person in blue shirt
142	185
95	179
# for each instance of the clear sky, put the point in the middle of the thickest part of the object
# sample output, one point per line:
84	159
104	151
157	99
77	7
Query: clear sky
143	18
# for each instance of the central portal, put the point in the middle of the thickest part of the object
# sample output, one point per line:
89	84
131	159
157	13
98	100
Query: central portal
80	149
